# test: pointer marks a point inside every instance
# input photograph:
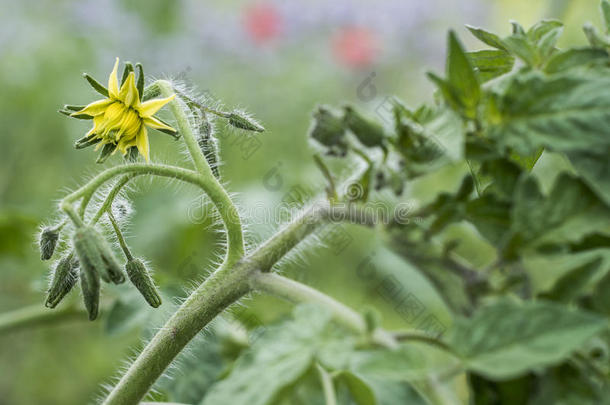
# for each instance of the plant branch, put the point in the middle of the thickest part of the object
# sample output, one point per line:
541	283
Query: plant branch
207	180
330	398
36	315
296	292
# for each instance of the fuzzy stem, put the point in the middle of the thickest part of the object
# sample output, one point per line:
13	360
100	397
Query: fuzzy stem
208	181
119	235
221	289
111	196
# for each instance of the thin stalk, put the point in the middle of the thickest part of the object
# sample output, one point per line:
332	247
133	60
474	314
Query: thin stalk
111	196
36	315
330	398
119	235
295	292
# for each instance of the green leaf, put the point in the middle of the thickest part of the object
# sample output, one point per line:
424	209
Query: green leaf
571	284
487	37
562	113
359	390
542	28
490	64
575	57
279	358
507	339
601	297
461	76
409	362
596	39
520	46
594	168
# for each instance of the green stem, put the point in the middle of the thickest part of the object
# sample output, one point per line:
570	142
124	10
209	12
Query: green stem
216	293
111	196
208	181
119	235
330	398
36	315
295	292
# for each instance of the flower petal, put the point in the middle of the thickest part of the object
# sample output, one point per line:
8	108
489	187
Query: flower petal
150	107
113	82
93	109
129	92
154	123
142	142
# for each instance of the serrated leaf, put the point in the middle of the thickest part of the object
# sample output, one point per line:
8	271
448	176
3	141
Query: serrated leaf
490	64
507	339
562	113
542	28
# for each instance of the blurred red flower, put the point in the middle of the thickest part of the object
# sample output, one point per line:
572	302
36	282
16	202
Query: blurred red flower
355	47
262	22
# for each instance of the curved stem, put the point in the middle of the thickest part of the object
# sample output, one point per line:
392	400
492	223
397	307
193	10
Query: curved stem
296	292
221	289
137	169
111	196
208	181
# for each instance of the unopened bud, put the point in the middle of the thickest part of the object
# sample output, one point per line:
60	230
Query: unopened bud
242	121
90	286
372	319
140	278
328	128
48	242
93	251
65	276
368	132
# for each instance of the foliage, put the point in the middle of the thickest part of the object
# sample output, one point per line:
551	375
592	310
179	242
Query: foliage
524	330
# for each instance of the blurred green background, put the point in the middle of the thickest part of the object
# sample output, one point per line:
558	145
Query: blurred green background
274	59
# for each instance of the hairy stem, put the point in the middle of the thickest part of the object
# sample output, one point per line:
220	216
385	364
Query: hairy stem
221	289
111	196
208	181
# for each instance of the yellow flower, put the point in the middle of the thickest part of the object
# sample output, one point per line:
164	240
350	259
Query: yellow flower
120	121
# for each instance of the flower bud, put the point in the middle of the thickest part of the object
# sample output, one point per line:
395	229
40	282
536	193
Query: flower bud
241	121
328	128
368	132
209	147
140	278
64	278
48	242
90	286
94	253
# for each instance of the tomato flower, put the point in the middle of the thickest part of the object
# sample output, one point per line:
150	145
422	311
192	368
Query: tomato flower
120	121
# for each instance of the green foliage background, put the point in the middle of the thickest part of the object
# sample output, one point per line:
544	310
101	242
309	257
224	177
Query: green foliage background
42	58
